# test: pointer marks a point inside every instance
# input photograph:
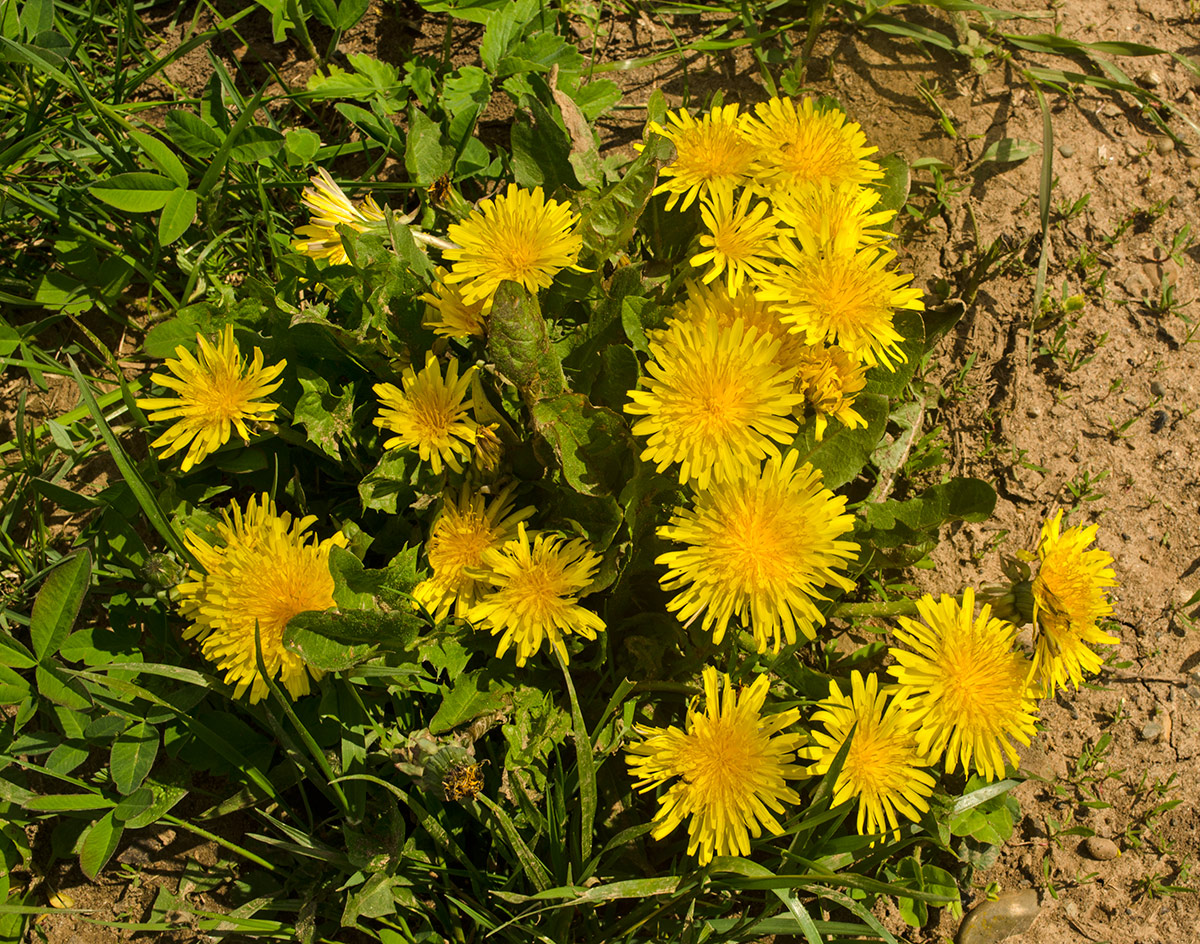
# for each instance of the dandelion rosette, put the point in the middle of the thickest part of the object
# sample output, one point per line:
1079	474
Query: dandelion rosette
799	145
740	241
715	401
1070	598
966	690
262	569
710	154
760	548
216	395
730	764
831	379
330	208
429	414
535	585
519	236
464	529
883	767
847	299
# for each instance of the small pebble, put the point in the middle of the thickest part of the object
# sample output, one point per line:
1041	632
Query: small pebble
1151	730
1101	849
993	921
1193	162
1066	150
1157	389
1163	145
1152	79
1189	97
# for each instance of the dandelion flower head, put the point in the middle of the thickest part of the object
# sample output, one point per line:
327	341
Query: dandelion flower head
217	394
262	569
330	207
715	400
966	690
429	414
828	217
448	315
700	302
535	585
740	238
1070	598
465	527
760	547
831	379
805	144
710	154
730	765
847	299
883	767
519	236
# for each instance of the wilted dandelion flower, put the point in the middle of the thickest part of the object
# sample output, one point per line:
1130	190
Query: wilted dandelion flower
732	765
760	547
517	237
447	314
710	154
715	401
830	379
330	207
429	414
740	241
262	570
535	593
804	144
216	395
488	448
966	691
882	767
1069	599
847	299
829	217
700	302
465	528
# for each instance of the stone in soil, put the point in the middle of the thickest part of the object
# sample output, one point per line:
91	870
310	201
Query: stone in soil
994	921
1101	849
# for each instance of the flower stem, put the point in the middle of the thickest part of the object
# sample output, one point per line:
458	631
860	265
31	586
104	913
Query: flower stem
890	608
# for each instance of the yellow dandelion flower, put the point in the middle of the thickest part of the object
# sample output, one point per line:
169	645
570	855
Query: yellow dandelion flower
831	379
740	241
710	154
447	314
517	237
330	207
462	531
430	414
216	396
1069	599
489	449
828	217
760	547
882	767
535	593
262	570
847	299
804	144
700	302
715	401
732	765
966	691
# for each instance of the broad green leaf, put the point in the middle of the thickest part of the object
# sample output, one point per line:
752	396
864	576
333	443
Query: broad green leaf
894	523
58	602
178	214
502	30
891	383
68	802
592	444
349	12
192	134
99	843
396	630
162	156
608	222
470	696
256	143
132	756
53	684
14	653
373	899
14	688
136	192
520	347
541	149
465	95
321	651
302	146
843	452
1009	150
163	798
328	417
426	155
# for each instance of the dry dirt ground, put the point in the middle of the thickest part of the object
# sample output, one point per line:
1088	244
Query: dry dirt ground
1093	411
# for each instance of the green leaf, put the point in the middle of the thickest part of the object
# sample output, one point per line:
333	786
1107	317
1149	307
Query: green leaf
359	588
68	802
426	155
470	696
396	630
14	688
328	418
388	487
891	383
322	652
256	143
178	214
349	12
541	150
1009	150
519	344
58	602
503	28
894	523
843	452
374	898
163	798
162	156
137	192
894	185
609	221
132	756
592	444
14	654
192	134
301	145
99	843
465	95
53	684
